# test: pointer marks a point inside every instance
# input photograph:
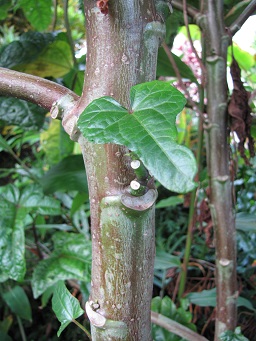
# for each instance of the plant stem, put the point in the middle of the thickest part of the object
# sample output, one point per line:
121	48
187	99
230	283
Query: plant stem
238	23
22	332
69	34
83	328
191	42
123	245
175	327
31	88
178	75
192	11
193	201
23	165
222	213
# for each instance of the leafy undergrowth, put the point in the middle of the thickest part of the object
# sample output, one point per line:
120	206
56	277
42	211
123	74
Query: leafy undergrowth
50	207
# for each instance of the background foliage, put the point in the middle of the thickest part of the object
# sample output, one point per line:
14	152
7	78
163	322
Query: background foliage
44	202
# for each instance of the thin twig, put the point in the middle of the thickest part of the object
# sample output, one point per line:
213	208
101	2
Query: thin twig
69	34
175	327
181	84
83	328
185	14
192	11
55	14
40	255
238	23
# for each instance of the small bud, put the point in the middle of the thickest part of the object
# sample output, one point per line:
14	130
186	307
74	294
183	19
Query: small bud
135	185
135	164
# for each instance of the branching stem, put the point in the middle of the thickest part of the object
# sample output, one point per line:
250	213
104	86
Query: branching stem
31	88
175	327
237	24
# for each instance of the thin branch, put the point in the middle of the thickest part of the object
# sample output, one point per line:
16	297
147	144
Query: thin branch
69	35
185	14
55	14
238	23
31	88
192	11
175	327
181	84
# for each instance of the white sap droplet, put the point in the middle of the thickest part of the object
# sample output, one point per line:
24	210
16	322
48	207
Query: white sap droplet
135	164
135	185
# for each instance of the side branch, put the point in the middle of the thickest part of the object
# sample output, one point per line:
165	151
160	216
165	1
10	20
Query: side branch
31	88
238	23
175	327
192	11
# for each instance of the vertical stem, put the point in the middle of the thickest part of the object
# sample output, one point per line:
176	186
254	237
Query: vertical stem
192	206
21	328
122	51
69	34
218	165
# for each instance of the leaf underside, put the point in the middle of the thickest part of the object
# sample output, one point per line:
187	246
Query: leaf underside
149	131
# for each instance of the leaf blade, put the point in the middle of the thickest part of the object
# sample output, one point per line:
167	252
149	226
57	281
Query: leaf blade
18	301
65	306
149	131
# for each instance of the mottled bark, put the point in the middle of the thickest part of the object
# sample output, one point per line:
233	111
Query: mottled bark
33	89
122	51
218	164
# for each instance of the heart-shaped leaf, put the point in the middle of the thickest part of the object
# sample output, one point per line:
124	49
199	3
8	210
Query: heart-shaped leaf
65	306
149	131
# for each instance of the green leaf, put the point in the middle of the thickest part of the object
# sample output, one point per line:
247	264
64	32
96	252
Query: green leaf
12	247
71	259
47	295
38	12
171	201
233	336
33	199
78	201
164	261
65	306
14	209
18	301
164	67
235	11
27	115
4	8
4	145
55	61
27	49
74	80
62	227
244	59
4	336
166	307
68	175
207	298
149	131
246	222
56	143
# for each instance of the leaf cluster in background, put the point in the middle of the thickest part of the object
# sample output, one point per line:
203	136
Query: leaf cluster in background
166	307
70	259
16	208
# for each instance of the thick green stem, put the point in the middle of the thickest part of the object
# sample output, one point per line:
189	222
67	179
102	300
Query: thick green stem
122	51
218	165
